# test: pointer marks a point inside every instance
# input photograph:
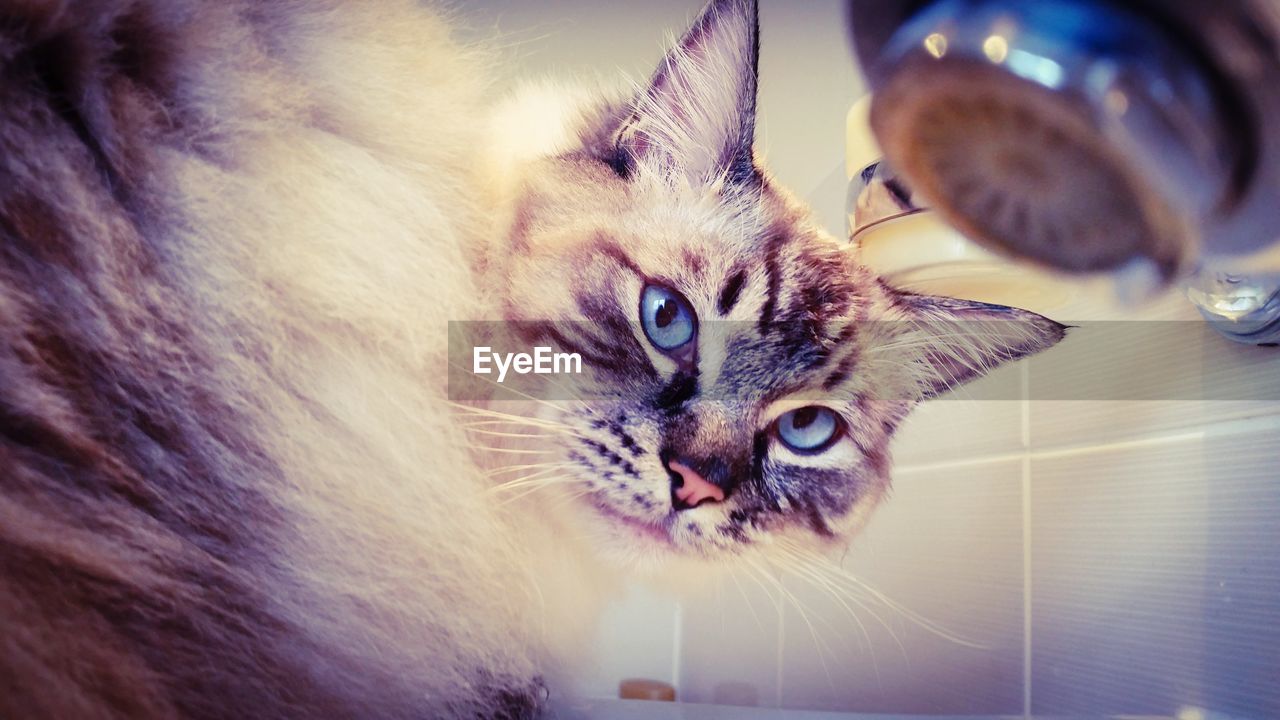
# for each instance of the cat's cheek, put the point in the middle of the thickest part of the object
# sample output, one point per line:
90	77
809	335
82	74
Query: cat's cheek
626	548
842	482
855	520
634	543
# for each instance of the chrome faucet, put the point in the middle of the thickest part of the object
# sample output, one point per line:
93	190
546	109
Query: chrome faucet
1135	138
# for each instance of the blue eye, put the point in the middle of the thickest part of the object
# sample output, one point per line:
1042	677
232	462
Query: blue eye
668	321
808	429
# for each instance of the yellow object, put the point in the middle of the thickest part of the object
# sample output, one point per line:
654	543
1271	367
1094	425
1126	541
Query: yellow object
637	689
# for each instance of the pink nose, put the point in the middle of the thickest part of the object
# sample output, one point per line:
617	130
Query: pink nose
693	489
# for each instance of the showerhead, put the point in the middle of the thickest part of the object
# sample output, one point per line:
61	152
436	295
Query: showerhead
1083	135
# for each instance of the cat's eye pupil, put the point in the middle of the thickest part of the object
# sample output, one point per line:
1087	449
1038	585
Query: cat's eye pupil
666	313
804	417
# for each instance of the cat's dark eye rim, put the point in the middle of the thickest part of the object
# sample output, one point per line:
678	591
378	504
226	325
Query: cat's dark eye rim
682	351
837	432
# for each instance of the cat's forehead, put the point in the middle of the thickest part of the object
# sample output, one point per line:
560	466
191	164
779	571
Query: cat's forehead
704	236
657	215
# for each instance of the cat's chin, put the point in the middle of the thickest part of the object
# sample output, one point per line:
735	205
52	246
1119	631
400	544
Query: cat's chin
648	532
652	549
629	542
633	530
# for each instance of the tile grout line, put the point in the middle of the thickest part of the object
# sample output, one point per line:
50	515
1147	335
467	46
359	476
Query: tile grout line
1026	585
777	677
1243	424
677	648
1025	381
1230	426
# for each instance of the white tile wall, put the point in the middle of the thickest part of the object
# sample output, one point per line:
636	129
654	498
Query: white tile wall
952	429
1185	375
1156	581
948	548
637	638
729	643
1107	556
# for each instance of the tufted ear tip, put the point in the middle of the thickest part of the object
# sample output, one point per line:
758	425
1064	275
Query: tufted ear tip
697	117
963	340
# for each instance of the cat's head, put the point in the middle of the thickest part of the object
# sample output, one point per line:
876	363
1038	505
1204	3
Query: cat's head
746	374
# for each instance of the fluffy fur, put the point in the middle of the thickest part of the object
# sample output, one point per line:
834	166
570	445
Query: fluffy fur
232	481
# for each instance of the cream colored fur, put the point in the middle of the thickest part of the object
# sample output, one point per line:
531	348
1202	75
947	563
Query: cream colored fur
345	235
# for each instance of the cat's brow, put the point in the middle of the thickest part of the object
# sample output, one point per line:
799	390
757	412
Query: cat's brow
610	248
842	372
773	272
732	290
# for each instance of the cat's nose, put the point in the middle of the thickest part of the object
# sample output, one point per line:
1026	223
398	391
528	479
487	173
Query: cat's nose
689	489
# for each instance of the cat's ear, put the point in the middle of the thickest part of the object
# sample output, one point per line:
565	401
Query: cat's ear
955	341
697	117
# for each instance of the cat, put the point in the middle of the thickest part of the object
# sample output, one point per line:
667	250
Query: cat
233	482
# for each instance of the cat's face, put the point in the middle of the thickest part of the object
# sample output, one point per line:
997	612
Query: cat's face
744	375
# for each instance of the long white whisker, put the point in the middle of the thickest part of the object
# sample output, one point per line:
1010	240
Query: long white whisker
804	616
496	433
524	395
570	497
813	574
840	575
750	607
513	451
525	480
530	466
489	412
534	487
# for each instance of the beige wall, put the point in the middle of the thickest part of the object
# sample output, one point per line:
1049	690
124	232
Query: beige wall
807	76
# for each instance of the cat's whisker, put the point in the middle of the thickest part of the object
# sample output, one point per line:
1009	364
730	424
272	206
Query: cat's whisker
525	480
548	482
815	575
513	451
487	418
750	607
528	490
571	393
848	580
509	41
495	433
821	574
520	488
752	571
499	415
530	466
512	390
475	408
570	497
800	608
765	573
843	578
808	572
508	429
486	422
